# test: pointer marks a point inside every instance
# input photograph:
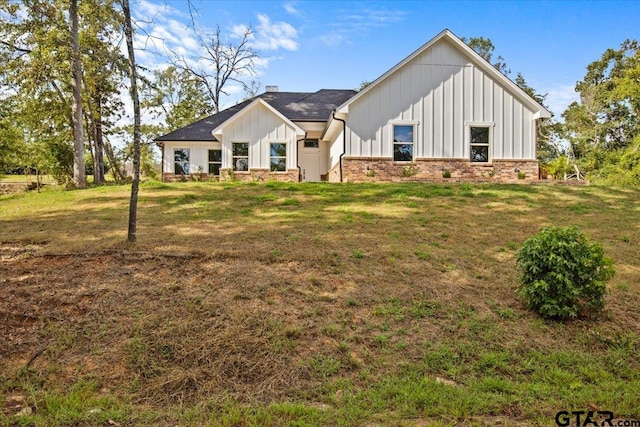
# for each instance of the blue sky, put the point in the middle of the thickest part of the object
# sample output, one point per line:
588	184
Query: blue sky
310	45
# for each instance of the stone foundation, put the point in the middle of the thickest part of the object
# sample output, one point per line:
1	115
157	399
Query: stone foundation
383	169
291	175
169	177
227	175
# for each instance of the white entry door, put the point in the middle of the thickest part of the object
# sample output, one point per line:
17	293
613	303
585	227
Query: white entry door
310	160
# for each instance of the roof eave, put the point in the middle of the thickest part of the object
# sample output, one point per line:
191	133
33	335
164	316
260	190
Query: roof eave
477	60
217	132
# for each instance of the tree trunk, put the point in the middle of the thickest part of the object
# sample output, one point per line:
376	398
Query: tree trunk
79	177
98	160
115	167
98	142
133	202
88	124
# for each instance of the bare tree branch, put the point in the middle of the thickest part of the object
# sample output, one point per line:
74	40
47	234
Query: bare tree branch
14	47
225	62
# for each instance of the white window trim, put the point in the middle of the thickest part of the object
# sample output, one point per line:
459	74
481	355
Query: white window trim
413	123
467	136
286	157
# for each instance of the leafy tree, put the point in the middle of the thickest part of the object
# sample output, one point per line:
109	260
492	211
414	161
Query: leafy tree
484	48
10	138
34	55
104	70
363	85
178	96
35	65
603	127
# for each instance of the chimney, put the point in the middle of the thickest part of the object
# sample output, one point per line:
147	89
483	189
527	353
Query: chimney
271	88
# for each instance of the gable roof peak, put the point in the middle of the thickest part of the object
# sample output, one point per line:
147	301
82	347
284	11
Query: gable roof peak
475	58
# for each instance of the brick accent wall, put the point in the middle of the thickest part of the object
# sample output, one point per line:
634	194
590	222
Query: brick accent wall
291	175
169	177
383	169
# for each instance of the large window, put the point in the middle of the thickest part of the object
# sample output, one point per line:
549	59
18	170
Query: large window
215	162
181	161
240	152
278	156
480	144
402	143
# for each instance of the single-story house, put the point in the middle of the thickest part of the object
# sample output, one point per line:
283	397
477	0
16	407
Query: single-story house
441	113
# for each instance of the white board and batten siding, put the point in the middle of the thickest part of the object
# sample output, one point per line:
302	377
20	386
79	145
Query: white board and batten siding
259	127
442	93
198	155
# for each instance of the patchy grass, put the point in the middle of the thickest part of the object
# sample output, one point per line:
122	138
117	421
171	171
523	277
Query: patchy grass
306	304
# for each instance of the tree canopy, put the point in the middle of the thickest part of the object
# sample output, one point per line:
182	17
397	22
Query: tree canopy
602	127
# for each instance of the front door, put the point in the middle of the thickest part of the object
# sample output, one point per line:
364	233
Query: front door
310	160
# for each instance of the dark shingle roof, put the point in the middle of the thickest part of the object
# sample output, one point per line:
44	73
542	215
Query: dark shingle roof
296	106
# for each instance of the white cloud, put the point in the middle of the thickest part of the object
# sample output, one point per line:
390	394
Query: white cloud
290	8
559	97
349	24
275	35
333	38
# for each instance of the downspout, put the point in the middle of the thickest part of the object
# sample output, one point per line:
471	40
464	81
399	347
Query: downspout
298	157
161	145
344	139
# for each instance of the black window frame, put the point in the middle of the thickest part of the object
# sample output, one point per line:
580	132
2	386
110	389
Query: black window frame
399	147
280	167
237	158
479	144
215	164
181	163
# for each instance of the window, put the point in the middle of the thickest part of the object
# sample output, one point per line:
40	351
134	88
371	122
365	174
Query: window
181	161
479	144
215	162
278	155
240	152
402	143
311	143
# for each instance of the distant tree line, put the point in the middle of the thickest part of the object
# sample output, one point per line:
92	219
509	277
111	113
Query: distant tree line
45	53
62	75
599	134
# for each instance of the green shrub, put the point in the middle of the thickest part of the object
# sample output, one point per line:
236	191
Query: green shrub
563	274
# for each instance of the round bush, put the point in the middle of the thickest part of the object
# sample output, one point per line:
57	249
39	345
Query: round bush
563	274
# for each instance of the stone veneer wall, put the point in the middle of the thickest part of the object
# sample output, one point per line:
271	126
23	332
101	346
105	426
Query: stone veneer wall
169	177
383	169
291	175
253	175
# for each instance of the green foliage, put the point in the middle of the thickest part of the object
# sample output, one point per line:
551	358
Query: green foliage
409	171
559	167
178	95
603	128
563	274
